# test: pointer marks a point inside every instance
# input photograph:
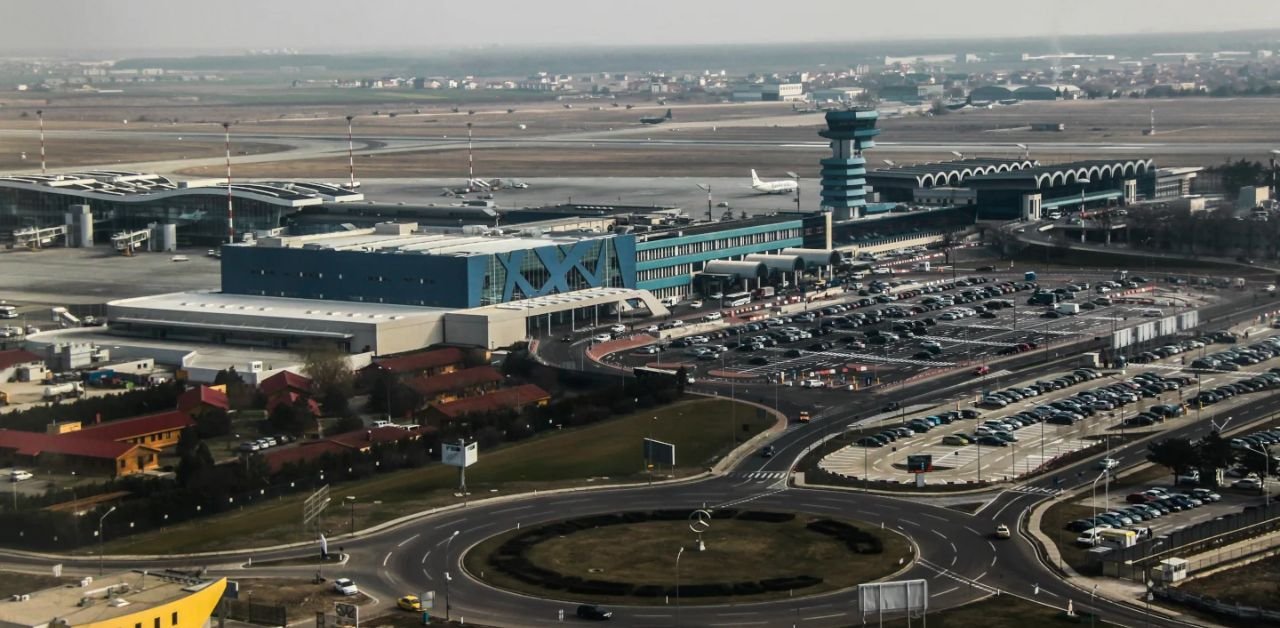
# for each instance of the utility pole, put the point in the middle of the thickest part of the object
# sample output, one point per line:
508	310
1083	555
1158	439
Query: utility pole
471	167
231	214
351	159
40	116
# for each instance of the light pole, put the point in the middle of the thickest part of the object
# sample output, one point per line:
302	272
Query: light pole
1093	496
40	116
231	215
1266	470
351	499
1082	182
707	187
100	539
351	159
796	178
678	555
446	573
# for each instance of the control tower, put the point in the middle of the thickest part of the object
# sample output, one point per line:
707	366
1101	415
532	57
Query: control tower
844	173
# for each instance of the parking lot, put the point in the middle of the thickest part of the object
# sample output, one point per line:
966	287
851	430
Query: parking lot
965	448
889	332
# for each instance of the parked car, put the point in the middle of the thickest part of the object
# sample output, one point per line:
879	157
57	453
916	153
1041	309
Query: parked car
345	586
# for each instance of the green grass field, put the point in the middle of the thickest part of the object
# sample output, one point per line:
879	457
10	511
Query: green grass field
607	452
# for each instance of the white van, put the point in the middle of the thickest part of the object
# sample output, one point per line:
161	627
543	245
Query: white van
1090	537
713	316
670	301
1152	312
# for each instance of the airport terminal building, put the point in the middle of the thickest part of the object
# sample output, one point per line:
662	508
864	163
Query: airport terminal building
128	201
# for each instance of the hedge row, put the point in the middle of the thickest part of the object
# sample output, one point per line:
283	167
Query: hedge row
858	541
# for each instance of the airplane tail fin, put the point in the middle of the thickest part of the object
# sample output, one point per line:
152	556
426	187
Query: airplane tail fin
668	114
755	180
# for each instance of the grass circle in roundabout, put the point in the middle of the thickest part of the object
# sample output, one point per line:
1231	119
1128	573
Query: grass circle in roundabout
630	558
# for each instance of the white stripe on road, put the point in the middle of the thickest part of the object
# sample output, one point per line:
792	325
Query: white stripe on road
406	541
507	510
385	559
449	524
823	617
424	557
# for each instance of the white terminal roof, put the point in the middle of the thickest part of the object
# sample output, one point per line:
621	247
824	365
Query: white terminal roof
278	307
443	244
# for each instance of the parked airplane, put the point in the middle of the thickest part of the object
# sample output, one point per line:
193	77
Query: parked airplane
772	187
656	119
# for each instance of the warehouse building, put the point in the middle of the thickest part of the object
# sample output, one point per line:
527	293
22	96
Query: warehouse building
119	600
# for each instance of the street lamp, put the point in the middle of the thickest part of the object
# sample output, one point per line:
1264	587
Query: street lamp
446	573
678	555
100	538
1026	152
351	499
1083	182
351	160
1266	470
707	187
796	177
40	115
1093	496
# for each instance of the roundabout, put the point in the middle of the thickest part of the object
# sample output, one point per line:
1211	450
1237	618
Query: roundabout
653	557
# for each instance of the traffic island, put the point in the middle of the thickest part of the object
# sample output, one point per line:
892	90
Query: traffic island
631	558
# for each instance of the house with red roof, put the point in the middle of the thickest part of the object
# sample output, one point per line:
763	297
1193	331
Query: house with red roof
514	398
73	452
196	400
156	431
362	441
285	381
458	384
420	363
20	364
291	398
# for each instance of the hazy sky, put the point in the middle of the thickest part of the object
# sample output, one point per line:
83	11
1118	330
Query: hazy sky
68	26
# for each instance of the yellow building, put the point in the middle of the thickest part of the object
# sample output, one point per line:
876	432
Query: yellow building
124	600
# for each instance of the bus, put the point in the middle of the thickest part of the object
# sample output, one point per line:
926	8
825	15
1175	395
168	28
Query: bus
737	299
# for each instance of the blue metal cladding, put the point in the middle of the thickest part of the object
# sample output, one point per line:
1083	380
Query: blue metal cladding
429	280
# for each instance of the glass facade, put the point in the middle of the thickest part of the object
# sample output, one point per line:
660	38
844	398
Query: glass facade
200	218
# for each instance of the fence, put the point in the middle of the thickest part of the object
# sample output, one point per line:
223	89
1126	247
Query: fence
244	610
1217	607
1134	563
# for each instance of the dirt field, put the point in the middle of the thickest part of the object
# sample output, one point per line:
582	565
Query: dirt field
1255	584
299	595
63	154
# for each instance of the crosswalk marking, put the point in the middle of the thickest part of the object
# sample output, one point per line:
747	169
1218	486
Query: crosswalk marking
760	475
1036	490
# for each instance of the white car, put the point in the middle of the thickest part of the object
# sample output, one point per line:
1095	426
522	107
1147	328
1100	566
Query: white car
345	586
618	329
695	304
17	475
716	295
1108	463
601	338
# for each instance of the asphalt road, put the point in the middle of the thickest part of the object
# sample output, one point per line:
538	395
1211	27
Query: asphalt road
956	555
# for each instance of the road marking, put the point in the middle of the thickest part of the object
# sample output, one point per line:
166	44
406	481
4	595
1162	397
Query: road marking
507	510
980	576
406	541
953	548
742	623
823	617
993	561
737	614
971	529
424	572
424	557
651	616
941	535
385	559
819	506
932	516
941	593
448	525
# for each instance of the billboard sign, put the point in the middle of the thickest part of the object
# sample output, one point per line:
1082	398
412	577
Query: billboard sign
909	596
658	452
460	454
922	463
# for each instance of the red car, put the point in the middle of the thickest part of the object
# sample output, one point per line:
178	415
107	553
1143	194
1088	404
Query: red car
1137	498
982	370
